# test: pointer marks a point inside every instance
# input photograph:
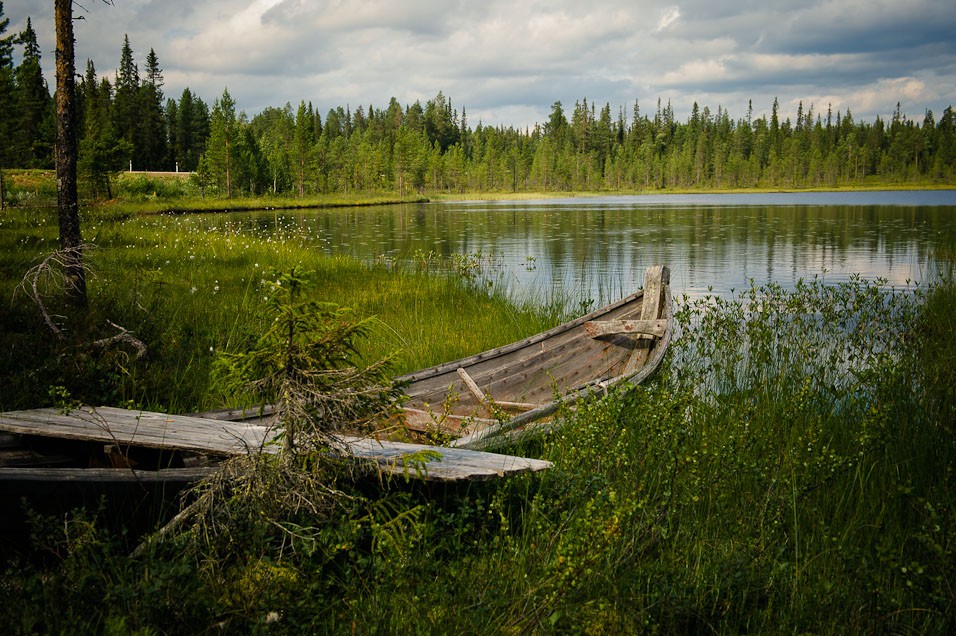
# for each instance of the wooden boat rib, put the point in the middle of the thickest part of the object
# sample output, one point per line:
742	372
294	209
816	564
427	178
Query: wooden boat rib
478	398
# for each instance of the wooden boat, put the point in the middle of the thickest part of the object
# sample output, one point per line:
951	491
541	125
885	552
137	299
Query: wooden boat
479	400
476	403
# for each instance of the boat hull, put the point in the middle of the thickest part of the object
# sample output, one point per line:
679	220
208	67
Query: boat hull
475	399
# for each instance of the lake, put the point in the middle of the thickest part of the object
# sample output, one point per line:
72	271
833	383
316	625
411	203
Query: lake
597	248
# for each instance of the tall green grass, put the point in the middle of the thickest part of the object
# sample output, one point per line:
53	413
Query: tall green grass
189	286
790	469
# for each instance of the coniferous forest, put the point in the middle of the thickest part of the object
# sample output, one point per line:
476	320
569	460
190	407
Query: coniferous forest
127	122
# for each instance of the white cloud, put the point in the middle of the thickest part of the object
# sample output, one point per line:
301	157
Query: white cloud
669	16
508	62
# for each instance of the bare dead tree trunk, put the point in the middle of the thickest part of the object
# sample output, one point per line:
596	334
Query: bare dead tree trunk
66	152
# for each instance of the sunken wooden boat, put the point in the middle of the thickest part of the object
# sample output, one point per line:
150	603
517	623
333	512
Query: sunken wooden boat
487	398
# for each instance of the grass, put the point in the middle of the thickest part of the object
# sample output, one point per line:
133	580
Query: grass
803	483
791	469
189	286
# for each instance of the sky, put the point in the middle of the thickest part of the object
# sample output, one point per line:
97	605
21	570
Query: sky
507	61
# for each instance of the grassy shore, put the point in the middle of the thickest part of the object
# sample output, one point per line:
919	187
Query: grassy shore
792	468
189	288
793	473
156	193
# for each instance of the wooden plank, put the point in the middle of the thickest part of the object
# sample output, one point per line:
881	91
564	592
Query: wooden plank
598	328
657	277
105	475
177	432
237	415
470	385
487	401
138	428
451	464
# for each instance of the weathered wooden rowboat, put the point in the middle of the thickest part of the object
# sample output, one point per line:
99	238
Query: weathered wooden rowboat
481	400
477	402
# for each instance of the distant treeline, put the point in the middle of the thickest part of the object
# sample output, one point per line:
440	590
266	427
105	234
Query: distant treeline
431	148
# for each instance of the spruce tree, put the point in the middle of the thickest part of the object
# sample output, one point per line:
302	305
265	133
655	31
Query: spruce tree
33	138
223	137
101	154
125	114
183	145
6	100
152	146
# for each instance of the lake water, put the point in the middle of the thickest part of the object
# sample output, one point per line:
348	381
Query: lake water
597	248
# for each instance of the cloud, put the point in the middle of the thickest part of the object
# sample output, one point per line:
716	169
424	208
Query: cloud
669	16
508	62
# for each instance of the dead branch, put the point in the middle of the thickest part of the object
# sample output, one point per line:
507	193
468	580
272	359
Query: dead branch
50	271
124	335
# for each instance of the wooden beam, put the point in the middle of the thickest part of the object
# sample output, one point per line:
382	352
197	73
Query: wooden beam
104	475
652	328
471	385
486	400
176	432
655	279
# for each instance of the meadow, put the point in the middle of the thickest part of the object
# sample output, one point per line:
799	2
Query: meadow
789	469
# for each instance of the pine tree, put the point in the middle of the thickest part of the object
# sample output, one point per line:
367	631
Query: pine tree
183	142
100	153
302	143
223	136
171	112
6	100
33	139
125	114
151	140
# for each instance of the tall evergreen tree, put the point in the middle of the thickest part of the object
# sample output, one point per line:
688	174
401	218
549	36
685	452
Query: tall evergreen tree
101	154
201	123
152	145
183	142
125	114
171	117
223	137
6	100
33	138
441	126
302	143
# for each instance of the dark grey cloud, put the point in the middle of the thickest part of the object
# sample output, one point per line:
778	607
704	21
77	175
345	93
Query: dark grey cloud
508	62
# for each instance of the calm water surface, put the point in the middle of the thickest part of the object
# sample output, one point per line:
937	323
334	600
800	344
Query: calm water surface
598	248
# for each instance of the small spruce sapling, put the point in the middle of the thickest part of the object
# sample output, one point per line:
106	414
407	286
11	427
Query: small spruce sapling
303	366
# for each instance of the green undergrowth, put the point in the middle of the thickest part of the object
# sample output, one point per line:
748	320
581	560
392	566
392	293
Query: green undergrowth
790	469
